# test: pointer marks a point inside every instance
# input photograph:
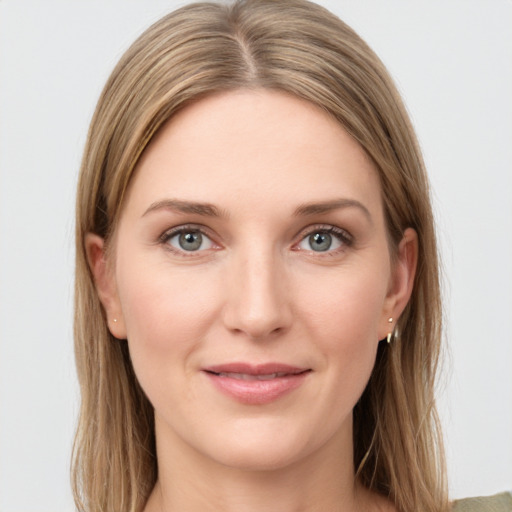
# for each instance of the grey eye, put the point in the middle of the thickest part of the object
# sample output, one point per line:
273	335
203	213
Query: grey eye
320	241
190	241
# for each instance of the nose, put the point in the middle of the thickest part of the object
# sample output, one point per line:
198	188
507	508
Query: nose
257	302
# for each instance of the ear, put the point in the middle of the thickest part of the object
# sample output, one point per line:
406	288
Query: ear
105	282
401	283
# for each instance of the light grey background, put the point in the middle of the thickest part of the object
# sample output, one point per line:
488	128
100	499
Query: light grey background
453	62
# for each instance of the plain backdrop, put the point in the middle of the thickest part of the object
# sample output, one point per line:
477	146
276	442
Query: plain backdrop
452	60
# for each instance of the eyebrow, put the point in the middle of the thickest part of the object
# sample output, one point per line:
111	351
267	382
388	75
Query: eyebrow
203	209
328	206
210	210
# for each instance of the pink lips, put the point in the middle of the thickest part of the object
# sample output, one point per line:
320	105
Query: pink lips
256	385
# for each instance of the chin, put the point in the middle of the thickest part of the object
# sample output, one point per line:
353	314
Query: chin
267	446
271	457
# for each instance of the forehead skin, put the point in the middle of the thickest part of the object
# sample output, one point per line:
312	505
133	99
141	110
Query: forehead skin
191	147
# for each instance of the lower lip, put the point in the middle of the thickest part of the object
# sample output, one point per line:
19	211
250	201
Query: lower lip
257	392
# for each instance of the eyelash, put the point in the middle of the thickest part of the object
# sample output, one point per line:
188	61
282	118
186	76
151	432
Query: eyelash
179	230
345	238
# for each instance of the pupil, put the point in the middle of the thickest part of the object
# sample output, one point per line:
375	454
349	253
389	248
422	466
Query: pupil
320	241
190	241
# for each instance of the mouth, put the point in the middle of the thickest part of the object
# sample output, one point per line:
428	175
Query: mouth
256	384
247	376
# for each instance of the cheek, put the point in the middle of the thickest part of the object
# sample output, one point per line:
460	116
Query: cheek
167	314
342	315
347	303
165	309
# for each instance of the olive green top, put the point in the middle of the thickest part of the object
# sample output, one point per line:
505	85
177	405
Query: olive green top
499	503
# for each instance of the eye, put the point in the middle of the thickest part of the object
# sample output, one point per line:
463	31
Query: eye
325	240
188	240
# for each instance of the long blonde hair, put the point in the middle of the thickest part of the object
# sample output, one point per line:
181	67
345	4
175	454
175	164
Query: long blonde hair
301	48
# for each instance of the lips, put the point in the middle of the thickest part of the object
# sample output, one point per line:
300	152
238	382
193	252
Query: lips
256	384
248	376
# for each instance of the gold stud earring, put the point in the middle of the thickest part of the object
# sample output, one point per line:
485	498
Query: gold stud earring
390	334
115	320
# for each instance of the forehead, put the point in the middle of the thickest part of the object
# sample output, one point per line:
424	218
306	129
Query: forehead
269	147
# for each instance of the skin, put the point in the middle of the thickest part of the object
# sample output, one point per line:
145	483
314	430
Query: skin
257	290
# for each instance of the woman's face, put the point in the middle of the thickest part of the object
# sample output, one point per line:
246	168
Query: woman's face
252	279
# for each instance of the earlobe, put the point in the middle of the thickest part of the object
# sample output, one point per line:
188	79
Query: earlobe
402	281
105	283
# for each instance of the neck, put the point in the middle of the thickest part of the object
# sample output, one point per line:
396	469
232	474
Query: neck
190	482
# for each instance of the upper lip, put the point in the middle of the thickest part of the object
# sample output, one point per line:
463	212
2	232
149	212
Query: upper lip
258	369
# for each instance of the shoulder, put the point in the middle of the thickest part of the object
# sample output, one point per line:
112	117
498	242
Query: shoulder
498	503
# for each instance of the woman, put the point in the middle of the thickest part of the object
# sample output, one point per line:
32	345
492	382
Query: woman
255	246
